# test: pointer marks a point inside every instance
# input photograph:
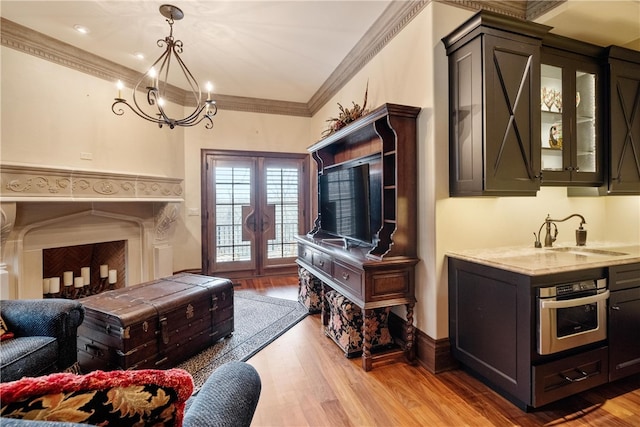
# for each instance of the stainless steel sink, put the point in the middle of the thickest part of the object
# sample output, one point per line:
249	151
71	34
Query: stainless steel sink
588	251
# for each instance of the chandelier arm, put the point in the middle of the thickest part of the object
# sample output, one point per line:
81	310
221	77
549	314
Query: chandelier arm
120	111
193	83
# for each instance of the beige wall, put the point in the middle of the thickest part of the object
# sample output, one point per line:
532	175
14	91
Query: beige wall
51	114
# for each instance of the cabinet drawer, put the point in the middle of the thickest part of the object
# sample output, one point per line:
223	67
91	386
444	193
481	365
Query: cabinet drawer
349	277
305	253
322	262
561	378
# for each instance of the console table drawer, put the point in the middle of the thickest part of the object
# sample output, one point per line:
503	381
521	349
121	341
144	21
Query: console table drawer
305	253
347	276
322	262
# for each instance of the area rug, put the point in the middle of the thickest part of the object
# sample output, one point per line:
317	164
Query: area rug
258	321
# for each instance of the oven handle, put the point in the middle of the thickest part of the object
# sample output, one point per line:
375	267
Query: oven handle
575	302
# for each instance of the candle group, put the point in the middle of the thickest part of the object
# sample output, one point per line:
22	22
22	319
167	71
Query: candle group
51	285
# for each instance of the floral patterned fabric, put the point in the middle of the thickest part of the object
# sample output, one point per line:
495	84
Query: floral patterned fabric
344	324
118	398
309	291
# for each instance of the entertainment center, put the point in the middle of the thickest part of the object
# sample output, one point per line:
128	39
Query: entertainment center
363	243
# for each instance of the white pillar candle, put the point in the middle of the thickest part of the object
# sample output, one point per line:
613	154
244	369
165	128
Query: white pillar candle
67	278
85	272
104	271
78	282
54	285
113	276
46	285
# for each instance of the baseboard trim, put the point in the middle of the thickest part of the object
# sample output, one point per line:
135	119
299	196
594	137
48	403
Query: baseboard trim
434	355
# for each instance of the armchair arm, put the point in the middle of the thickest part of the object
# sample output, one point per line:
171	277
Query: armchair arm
228	398
55	317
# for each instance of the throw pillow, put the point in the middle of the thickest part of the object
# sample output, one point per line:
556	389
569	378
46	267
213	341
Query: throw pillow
124	398
4	331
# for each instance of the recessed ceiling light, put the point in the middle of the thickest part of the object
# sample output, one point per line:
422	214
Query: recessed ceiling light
81	29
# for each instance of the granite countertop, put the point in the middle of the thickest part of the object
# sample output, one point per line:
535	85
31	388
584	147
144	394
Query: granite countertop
560	258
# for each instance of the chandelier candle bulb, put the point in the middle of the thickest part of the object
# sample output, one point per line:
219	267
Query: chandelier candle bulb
54	285
67	278
85	272
120	86
46	286
209	89
78	282
104	271
113	276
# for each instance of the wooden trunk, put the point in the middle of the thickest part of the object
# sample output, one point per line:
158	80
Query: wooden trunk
157	324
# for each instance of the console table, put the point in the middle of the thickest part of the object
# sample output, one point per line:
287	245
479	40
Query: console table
379	273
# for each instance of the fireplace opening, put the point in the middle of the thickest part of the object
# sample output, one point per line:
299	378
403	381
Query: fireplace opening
82	270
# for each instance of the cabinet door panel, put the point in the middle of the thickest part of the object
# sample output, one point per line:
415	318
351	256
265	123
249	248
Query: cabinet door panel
624	129
624	324
513	128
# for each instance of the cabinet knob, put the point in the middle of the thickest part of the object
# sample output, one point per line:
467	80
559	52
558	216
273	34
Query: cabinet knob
321	263
345	276
615	307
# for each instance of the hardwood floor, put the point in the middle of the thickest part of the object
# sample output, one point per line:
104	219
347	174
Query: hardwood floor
307	381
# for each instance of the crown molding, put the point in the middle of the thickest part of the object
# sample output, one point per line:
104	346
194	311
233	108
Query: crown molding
397	15
28	41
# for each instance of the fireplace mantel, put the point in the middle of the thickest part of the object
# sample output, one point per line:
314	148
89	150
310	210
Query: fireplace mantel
28	183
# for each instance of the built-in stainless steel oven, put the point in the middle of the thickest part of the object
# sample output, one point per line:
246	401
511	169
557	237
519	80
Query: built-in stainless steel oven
571	315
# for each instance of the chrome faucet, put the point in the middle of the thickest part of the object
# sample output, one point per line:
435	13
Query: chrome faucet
581	233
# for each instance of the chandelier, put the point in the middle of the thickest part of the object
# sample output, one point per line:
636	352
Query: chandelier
157	84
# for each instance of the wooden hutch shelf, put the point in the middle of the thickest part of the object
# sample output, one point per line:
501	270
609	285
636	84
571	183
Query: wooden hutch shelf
378	273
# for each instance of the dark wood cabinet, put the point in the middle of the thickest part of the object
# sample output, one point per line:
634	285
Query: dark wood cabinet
623	120
624	321
379	272
530	108
494	105
571	117
493	322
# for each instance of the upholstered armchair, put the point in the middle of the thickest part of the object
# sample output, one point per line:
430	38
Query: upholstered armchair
44	336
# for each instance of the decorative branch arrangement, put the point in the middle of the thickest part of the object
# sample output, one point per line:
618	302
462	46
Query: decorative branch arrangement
347	116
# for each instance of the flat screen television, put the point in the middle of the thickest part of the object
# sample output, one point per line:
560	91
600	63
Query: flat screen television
350	201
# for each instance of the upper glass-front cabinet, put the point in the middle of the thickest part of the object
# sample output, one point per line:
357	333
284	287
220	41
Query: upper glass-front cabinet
571	147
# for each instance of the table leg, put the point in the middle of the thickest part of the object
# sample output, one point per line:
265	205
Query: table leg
367	361
410	351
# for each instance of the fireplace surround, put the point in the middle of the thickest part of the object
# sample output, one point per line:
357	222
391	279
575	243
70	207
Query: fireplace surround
43	208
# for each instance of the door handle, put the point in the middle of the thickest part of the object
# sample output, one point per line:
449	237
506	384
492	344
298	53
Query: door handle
575	302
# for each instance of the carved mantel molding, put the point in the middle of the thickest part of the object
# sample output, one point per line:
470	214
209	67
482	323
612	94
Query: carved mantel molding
26	183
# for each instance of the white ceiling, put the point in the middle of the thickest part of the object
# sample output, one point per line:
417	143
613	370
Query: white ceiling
279	50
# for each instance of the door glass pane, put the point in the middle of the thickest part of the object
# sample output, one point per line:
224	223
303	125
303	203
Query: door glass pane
551	107
282	191
232	191
586	121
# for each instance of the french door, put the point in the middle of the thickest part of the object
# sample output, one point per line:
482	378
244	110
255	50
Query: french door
253	204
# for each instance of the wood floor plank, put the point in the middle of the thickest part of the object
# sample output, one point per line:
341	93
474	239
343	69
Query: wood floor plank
307	381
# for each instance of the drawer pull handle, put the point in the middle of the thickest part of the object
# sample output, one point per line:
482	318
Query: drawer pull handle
583	376
345	276
321	263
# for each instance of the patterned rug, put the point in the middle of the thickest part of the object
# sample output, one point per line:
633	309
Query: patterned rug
258	321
